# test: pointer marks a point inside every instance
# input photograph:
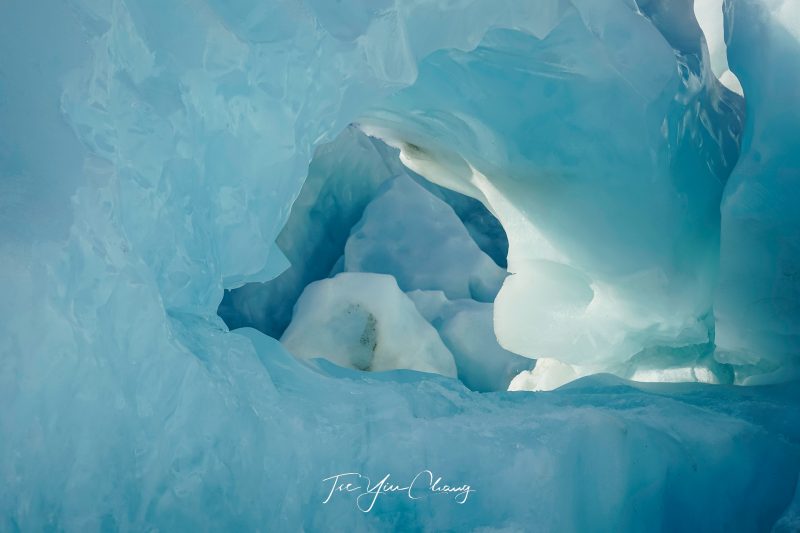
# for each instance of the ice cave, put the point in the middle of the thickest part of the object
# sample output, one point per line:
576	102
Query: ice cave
400	265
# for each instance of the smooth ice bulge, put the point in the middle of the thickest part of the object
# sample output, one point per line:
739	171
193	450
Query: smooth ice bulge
467	329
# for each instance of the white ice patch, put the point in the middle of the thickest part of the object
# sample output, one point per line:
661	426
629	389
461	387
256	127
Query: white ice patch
549	374
364	321
710	18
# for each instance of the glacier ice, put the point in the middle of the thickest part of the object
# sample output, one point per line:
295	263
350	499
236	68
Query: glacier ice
151	152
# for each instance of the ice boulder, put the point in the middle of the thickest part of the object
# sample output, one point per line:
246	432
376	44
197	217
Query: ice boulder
467	329
364	321
416	237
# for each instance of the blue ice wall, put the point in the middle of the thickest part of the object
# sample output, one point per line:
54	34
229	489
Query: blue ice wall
758	299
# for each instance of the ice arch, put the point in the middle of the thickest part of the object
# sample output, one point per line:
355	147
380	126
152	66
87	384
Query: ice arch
613	262
613	232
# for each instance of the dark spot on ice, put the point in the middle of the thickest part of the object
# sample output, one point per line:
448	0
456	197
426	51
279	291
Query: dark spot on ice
414	149
368	338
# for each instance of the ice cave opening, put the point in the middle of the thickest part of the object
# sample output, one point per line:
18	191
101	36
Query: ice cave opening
387	271
493	247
